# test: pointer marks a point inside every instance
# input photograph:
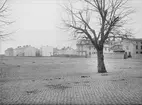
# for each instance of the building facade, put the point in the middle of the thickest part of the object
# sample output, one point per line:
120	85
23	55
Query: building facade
26	50
46	51
86	48
133	46
30	51
117	46
19	51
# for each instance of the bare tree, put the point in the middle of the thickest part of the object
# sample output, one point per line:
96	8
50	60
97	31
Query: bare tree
99	21
4	21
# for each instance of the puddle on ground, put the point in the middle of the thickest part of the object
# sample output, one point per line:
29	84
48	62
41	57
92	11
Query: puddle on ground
118	80
18	66
54	78
85	76
76	82
86	82
28	92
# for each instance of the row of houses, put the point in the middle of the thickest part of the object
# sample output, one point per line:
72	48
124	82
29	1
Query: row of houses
43	51
131	47
29	51
85	47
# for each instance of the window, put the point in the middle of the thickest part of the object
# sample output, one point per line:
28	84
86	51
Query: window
141	52
89	53
93	52
81	48
136	46
109	50
141	47
81	53
136	52
141	42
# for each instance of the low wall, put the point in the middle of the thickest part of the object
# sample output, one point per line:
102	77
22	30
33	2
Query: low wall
112	55
115	55
72	56
137	56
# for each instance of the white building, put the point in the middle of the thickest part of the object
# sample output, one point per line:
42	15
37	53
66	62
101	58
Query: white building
133	47
46	51
30	51
19	51
85	47
24	51
107	49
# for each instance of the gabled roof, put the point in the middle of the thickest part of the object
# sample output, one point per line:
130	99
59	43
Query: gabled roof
116	49
9	49
134	39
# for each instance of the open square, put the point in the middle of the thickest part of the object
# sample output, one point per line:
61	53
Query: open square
63	81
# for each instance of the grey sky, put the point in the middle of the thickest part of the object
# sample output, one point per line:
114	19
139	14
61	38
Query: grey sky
37	23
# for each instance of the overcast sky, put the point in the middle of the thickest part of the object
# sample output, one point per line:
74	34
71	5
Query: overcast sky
37	23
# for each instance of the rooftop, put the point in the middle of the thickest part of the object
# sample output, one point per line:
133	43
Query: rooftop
135	39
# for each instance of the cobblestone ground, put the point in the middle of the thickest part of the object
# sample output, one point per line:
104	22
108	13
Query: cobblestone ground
120	86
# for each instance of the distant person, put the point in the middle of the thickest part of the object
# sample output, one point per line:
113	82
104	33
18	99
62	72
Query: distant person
129	56
125	55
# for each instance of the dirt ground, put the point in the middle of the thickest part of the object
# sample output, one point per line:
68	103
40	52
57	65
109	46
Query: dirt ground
55	80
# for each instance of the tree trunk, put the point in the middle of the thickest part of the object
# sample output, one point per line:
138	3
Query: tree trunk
101	65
